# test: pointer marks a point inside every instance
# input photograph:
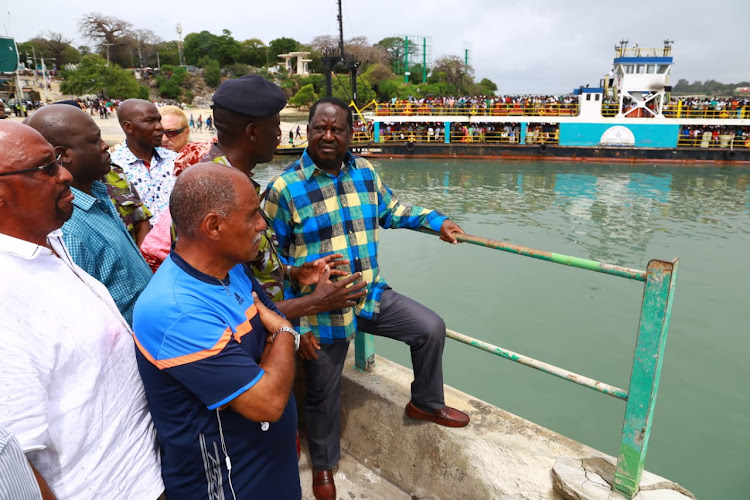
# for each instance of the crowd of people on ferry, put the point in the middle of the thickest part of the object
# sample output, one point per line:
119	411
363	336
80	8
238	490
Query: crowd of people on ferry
497	133
155	303
557	105
481	105
714	136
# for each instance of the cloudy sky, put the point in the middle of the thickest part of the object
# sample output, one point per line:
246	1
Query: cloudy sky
539	46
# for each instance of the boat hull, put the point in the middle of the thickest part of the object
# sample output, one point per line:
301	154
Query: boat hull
550	152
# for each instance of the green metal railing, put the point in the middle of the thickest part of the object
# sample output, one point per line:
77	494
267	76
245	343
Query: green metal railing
659	280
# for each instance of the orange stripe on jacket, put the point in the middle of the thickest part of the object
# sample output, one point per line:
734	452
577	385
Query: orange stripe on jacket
245	327
187	358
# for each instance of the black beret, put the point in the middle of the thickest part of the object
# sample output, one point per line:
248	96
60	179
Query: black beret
250	95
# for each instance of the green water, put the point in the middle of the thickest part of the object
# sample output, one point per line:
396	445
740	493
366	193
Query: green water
583	321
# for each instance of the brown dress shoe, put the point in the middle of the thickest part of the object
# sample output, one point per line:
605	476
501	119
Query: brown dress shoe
447	416
323	486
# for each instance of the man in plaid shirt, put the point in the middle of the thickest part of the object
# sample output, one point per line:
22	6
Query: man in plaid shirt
332	202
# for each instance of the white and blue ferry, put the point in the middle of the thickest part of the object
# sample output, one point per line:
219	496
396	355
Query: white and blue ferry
629	117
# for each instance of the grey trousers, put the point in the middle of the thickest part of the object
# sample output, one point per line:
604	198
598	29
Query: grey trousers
400	318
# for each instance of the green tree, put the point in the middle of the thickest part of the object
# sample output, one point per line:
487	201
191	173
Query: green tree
395	49
305	97
281	46
254	52
168	53
224	49
93	76
211	71
170	81
487	87
453	71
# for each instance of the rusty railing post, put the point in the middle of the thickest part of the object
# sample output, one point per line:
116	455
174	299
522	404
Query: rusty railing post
656	308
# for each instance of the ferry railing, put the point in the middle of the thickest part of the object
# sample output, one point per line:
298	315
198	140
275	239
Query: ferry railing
660	279
707	113
721	141
481	109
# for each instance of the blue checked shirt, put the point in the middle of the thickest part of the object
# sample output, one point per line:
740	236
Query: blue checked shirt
155	182
99	243
316	214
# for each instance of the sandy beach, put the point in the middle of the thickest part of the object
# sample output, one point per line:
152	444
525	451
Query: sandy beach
113	134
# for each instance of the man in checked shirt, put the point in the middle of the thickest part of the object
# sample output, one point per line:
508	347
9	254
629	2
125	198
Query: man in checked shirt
332	202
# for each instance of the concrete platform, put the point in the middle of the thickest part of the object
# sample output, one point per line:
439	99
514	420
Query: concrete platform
498	456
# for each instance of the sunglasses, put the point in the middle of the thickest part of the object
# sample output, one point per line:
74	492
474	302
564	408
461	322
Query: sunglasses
174	132
50	168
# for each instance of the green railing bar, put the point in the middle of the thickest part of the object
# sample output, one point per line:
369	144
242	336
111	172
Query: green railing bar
557	258
656	310
607	389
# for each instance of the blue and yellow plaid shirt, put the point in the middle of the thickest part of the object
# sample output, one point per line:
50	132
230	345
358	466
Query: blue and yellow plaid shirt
316	214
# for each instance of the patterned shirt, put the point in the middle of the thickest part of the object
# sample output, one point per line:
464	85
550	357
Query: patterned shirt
316	214
266	267
99	243
154	182
126	199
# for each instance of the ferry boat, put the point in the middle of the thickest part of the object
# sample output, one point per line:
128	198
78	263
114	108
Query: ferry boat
628	117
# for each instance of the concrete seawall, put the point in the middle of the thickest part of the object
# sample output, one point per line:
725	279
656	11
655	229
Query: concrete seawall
498	456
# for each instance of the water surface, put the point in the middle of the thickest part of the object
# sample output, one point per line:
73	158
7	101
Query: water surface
583	321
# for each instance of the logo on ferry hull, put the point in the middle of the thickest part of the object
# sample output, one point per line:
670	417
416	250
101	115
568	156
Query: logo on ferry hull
617	136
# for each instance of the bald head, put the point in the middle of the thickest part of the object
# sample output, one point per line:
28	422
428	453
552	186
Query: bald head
200	190
141	122
58	123
15	140
131	108
33	201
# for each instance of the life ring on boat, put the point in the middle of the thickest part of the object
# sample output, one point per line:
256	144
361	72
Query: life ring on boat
542	148
729	155
410	145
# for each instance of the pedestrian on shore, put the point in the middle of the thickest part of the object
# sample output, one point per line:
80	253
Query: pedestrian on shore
291	138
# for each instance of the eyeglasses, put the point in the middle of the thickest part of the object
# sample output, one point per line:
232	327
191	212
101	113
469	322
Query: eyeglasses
174	132
50	168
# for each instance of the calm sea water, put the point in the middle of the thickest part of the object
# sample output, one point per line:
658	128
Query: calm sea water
583	321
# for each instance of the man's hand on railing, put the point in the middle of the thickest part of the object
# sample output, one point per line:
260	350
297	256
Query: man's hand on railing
448	229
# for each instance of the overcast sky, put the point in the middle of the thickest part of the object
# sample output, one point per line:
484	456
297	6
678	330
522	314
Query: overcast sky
539	46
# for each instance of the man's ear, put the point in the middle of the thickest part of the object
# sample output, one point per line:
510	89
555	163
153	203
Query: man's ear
250	131
212	225
64	153
127	127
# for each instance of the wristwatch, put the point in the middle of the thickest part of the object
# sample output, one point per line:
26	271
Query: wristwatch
290	330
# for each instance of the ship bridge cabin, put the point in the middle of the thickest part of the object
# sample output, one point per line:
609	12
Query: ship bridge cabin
641	80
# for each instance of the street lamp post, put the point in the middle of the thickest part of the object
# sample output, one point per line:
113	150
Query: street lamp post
179	43
108	44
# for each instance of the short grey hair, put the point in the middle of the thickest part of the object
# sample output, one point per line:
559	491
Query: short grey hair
200	190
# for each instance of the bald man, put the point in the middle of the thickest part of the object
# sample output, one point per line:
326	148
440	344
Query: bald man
69	389
149	167
215	356
96	237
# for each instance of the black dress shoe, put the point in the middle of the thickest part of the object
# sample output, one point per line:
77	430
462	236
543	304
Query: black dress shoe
323	486
447	416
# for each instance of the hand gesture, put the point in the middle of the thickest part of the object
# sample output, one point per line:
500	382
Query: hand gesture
309	273
448	230
331	295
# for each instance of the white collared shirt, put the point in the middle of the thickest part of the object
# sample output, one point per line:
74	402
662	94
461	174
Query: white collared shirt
69	385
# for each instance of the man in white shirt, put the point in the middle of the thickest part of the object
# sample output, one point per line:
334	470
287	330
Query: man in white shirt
69	385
